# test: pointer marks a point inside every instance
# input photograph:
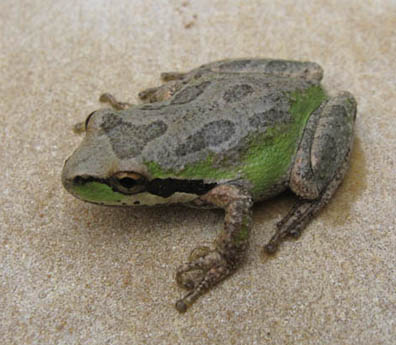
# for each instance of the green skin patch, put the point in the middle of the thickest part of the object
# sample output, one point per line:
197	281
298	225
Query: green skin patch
268	155
97	192
243	235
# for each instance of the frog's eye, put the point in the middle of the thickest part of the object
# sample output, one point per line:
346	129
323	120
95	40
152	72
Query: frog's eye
128	182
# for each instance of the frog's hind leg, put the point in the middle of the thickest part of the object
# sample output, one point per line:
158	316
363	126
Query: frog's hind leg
281	68
303	212
320	165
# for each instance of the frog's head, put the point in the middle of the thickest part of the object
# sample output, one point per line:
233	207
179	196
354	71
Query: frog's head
107	167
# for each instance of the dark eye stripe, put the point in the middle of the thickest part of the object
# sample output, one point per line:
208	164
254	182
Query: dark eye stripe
166	187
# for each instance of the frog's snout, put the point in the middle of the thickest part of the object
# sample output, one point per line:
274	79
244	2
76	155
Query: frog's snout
66	176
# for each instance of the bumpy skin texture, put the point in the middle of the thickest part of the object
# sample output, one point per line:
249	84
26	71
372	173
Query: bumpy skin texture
223	135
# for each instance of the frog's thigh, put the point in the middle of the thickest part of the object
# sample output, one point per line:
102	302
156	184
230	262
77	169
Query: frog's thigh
324	147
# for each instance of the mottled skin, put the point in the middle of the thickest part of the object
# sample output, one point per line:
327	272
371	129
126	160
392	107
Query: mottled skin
223	135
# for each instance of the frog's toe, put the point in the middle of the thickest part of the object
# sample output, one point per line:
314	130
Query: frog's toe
79	128
169	76
200	274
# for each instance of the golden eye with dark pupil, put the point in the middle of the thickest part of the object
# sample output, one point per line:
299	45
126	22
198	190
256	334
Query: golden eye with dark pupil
128	182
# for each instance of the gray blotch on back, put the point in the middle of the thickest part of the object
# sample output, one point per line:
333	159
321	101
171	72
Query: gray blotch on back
190	93
220	113
237	93
127	139
269	118
211	134
271	111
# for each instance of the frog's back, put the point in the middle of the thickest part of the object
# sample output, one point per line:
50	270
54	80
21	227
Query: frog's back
222	128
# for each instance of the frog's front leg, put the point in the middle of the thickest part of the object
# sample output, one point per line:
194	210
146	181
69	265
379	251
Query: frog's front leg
173	82
169	76
320	165
160	93
209	267
109	98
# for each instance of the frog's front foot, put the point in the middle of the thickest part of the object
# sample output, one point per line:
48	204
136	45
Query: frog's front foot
110	99
160	93
192	272
207	269
169	76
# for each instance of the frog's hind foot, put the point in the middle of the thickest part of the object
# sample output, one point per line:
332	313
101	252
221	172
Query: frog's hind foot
303	212
110	99
293	223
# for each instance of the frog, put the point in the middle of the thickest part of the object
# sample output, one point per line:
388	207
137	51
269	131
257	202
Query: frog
224	135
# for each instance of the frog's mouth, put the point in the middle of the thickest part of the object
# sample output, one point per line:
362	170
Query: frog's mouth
129	188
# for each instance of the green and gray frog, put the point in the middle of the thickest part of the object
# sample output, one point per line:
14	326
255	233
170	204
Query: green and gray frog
224	135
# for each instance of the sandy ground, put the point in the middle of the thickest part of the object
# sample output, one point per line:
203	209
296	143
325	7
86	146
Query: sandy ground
74	273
